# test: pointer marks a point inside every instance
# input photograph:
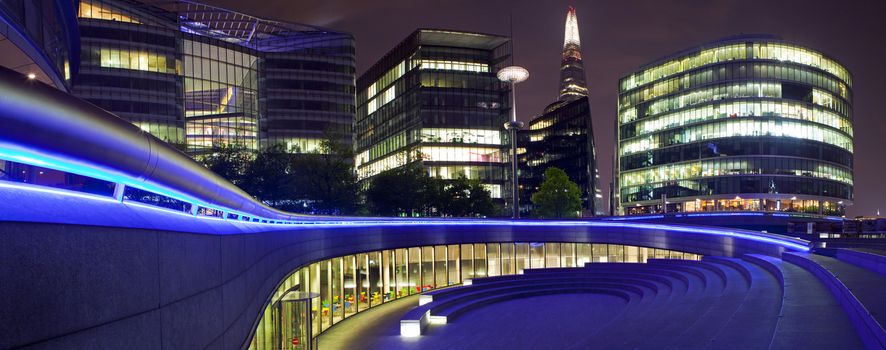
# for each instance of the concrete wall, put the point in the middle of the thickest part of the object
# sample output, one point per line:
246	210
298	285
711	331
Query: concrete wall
77	286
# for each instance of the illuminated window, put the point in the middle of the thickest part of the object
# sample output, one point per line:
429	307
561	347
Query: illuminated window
451	65
489	137
104	12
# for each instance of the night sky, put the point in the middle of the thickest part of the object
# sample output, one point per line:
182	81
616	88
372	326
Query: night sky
619	36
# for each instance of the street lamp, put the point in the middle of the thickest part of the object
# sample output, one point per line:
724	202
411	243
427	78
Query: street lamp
514	75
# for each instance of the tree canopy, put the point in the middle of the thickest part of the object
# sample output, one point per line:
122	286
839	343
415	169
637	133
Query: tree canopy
557	196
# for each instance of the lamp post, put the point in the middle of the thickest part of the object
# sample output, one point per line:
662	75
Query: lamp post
514	75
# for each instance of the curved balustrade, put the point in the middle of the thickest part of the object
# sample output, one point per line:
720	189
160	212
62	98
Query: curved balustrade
46	127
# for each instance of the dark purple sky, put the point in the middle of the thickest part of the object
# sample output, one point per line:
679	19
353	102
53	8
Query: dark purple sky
618	36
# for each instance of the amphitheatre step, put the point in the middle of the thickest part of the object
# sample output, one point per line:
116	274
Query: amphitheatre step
752	325
414	321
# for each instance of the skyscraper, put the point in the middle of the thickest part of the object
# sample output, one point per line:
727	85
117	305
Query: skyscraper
563	136
572	71
435	99
744	123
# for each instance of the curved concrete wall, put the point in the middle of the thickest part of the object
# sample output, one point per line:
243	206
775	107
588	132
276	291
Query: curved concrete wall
77	286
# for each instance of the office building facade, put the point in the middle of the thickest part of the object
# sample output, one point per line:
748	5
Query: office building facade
435	99
563	136
745	123
202	77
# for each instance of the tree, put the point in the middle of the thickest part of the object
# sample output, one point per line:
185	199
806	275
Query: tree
399	190
327	179
463	197
481	200
557	196
269	178
229	162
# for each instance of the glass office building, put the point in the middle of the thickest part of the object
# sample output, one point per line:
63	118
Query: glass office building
203	77
745	123
435	99
563	136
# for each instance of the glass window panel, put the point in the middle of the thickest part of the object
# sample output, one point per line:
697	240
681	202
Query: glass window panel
493	259
453	264
552	255
440	268
467	261
479	260
427	269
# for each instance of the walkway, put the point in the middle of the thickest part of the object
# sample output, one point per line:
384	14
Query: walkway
811	317
363	330
865	284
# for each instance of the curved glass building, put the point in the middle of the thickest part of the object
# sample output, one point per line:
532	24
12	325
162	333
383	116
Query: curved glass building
744	123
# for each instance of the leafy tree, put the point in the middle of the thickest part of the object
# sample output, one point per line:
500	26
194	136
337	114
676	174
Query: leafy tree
399	190
229	162
557	196
463	197
327	179
269	178
481	200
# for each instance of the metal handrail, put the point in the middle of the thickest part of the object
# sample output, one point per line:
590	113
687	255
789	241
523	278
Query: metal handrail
42	126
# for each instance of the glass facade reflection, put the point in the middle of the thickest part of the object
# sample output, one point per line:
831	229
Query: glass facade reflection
745	123
350	284
202	77
435	99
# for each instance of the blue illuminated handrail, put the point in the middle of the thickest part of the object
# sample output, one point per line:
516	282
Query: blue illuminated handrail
45	127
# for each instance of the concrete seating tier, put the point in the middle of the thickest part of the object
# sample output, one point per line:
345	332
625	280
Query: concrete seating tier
752	302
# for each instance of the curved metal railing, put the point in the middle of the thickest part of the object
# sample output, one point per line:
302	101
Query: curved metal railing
42	126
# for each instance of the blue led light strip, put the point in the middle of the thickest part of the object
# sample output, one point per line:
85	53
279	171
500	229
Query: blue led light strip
786	242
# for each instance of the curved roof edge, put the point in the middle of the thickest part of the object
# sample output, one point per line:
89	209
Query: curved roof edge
728	40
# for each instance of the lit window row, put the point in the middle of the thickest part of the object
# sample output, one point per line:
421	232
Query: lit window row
773	51
394	160
541	124
354	283
732	91
96	10
138	60
489	137
450	65
732	72
302	145
783	108
387	79
736	166
383	98
461	154
382	148
788	53
704	57
735	128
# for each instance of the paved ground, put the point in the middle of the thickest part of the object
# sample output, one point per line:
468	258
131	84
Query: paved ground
356	332
542	322
865	284
811	316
